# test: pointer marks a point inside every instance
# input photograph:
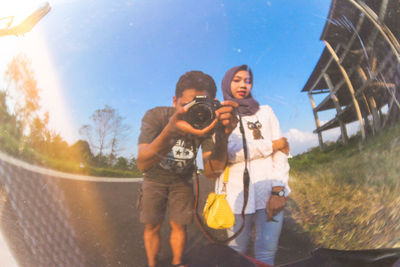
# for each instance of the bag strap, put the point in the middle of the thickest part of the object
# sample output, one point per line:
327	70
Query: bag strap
246	182
226	174
226	179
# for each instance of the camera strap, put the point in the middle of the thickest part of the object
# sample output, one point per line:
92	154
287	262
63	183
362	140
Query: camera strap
246	182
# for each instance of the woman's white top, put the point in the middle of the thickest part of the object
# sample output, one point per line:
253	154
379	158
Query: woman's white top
266	169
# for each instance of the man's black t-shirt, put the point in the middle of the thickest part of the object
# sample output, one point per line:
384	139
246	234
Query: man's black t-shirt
178	164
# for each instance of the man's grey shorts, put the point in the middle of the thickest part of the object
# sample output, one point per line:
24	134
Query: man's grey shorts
156	197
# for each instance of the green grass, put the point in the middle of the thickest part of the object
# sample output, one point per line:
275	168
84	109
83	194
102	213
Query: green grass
348	197
77	168
22	151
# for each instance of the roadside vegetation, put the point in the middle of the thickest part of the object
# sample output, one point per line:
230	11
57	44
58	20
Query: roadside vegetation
24	131
348	196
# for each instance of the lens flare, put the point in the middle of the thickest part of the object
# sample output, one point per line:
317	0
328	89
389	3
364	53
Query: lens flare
33	44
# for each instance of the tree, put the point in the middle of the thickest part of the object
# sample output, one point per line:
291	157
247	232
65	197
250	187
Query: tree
122	164
10	128
25	92
40	136
133	164
8	122
106	133
23	99
81	151
56	147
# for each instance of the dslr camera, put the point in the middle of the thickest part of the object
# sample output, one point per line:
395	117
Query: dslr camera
201	111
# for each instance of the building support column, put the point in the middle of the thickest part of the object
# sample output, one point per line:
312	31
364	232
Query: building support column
369	126
375	114
338	108
321	143
350	87
376	117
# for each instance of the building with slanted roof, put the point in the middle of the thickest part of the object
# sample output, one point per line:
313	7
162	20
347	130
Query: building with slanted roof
358	72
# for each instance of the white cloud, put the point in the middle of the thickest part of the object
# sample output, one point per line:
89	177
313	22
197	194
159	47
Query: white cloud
334	134
302	141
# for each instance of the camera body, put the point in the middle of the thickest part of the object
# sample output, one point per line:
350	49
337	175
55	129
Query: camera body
201	111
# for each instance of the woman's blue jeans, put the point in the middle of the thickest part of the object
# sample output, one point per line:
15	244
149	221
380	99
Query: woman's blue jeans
267	235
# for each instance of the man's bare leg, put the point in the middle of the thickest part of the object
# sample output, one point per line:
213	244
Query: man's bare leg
177	241
152	242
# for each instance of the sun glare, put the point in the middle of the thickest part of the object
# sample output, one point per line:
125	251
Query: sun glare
33	44
19	9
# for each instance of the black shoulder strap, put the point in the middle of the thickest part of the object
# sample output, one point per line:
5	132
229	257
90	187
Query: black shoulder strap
246	181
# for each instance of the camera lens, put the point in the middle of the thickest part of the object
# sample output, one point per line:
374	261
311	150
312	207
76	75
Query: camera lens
200	115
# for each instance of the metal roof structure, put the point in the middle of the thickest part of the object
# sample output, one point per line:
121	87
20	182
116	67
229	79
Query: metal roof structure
359	69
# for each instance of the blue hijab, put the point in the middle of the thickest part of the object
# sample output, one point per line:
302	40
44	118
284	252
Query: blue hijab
247	106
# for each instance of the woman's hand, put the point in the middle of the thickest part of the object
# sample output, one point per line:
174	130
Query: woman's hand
281	145
275	203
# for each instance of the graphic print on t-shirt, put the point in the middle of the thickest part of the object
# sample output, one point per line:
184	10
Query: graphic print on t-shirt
255	128
180	158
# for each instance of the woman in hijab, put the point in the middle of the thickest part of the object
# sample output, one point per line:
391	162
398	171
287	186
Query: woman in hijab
267	164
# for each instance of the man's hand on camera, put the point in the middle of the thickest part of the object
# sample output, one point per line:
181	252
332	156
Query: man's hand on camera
281	145
178	126
226	116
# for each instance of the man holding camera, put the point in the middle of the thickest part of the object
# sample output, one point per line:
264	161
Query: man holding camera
168	146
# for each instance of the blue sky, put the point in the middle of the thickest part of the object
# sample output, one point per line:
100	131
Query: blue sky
130	54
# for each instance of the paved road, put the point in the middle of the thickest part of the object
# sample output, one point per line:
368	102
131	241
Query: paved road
93	222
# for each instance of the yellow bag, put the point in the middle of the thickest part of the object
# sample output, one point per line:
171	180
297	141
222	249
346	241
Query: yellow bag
217	212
